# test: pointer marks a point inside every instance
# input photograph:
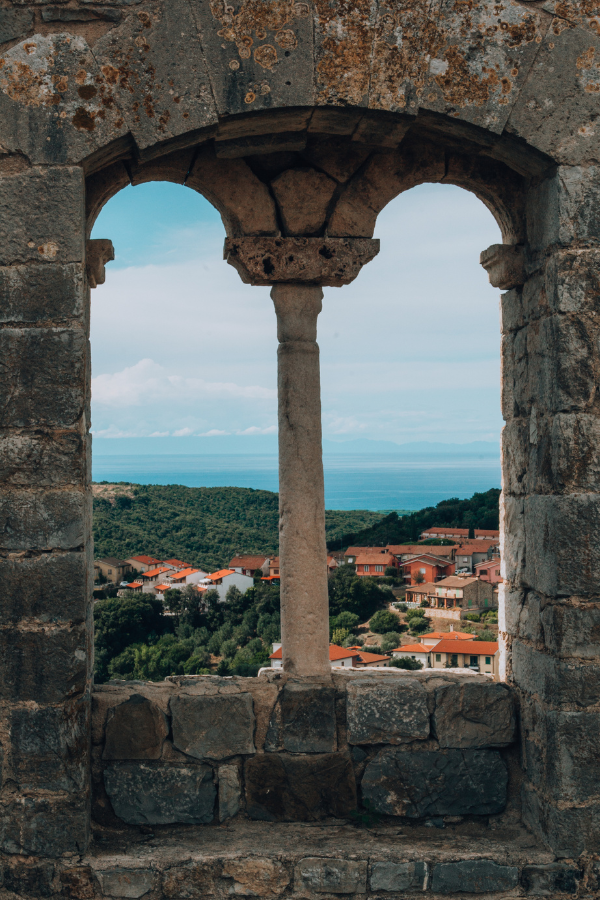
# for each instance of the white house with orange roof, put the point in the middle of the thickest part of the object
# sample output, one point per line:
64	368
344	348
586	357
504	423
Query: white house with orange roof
143	563
413	651
151	577
222	580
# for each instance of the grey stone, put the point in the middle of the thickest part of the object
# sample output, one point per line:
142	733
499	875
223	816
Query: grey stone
567	832
35	879
51	588
43	376
473	876
474	715
436	783
386	712
554	680
560	208
135	730
392	876
121	882
49	747
289	787
14	23
550	879
161	795
192	882
58	14
45	667
573	762
42	459
52	520
303	720
230	792
213	727
152	64
49	226
45	827
256	877
331	876
572	631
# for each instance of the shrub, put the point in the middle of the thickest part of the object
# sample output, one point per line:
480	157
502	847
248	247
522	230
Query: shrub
406	662
384	621
391	572
486	635
347	620
419	626
339	636
401	607
228	648
369	649
415	614
473	617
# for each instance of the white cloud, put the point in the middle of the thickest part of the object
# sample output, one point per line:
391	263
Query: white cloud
159	434
254	429
183	432
147	382
214	432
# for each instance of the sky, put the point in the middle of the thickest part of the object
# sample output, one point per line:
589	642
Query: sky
409	351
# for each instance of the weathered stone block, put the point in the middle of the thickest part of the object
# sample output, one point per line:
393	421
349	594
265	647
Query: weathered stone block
303	720
50	588
44	827
474	715
78	883
255	877
303	196
571	283
567	832
230	792
14	23
42	216
561	209
45	666
53	520
193	882
473	876
573	762
550	879
135	730
331	876
42	381
43	460
386	712
554	680
119	882
23	878
49	747
391	876
41	293
436	783
299	788
572	631
161	795
213	727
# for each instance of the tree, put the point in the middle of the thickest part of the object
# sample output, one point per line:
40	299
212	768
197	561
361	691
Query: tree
383	621
406	662
415	614
486	635
361	596
339	636
419	578
419	626
391	572
122	621
347	620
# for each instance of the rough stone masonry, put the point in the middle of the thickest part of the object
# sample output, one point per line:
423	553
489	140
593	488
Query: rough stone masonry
300	121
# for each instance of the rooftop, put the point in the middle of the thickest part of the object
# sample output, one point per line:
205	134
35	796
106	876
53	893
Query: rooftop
476	648
111	561
146	560
248	562
216	576
335	653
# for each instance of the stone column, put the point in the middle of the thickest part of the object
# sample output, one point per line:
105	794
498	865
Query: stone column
550	515
296	268
302	548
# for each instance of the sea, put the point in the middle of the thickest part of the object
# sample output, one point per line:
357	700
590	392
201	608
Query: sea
371	481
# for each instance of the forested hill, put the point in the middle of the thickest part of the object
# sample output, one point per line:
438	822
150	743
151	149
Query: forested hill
480	511
202	526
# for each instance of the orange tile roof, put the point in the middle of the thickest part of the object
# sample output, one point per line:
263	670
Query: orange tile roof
274	561
412	648
373	558
477	648
486	563
184	574
153	573
220	574
146	560
135	584
449	636
248	562
335	652
176	562
162	587
434	560
370	657
483	532
441	529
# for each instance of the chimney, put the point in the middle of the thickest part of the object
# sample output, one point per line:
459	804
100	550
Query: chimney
452	628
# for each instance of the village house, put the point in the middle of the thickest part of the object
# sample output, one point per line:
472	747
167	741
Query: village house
112	569
413	651
222	580
481	656
369	659
248	565
143	563
151	577
374	563
489	570
185	577
338	656
405	551
135	586
452	597
468	555
426	568
486	534
176	564
274	567
434	636
438	532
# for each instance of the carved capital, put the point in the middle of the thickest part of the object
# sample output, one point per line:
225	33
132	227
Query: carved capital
97	254
330	262
505	265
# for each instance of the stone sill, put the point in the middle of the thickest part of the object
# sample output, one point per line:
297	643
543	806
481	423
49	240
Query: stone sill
314	860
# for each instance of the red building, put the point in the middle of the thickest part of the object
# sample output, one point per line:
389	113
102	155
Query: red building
489	570
375	562
429	568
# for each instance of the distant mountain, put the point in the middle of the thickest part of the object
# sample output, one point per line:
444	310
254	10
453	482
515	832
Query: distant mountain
266	445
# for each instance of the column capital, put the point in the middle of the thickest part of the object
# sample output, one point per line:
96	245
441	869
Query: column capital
331	262
297	307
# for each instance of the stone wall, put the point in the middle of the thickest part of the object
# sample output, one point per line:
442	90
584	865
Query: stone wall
201	749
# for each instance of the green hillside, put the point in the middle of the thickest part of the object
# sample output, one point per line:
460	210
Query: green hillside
480	511
202	526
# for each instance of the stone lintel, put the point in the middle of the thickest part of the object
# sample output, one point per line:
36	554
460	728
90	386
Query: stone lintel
505	265
330	262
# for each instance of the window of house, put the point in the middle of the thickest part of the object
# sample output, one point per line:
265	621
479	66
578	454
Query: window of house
438	657
497	571
473	661
422	571
454	660
350	559
488	660
366	568
379	568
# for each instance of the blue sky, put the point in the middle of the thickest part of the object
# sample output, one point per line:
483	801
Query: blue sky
409	351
